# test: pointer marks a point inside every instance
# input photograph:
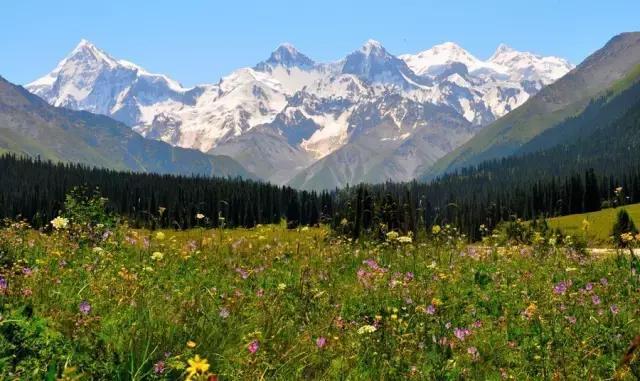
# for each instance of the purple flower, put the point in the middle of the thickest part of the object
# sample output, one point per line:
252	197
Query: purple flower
431	309
477	324
321	342
561	288
159	367
595	299
84	307
588	286
614	309
253	346
3	284
604	281
408	277
27	271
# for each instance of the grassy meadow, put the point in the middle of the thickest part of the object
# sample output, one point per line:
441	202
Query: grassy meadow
600	223
97	302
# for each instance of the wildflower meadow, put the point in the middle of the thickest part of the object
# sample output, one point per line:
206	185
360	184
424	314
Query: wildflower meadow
89	298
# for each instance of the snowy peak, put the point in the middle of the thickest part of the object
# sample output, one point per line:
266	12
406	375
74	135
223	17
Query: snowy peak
435	60
85	50
288	56
372	63
526	66
501	50
373	47
505	63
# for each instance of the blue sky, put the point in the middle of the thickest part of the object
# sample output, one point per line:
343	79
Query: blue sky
197	41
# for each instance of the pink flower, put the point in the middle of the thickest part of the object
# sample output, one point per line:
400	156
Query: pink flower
571	319
431	309
321	342
461	333
595	299
159	367
253	346
243	273
473	351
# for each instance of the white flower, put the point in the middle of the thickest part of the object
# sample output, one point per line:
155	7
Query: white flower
199	216
392	236
366	329
405	239
60	222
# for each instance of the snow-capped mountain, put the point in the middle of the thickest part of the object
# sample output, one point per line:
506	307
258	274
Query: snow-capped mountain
371	116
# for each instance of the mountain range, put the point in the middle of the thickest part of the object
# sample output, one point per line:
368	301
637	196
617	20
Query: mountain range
369	117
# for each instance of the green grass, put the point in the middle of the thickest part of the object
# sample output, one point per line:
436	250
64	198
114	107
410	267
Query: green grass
600	223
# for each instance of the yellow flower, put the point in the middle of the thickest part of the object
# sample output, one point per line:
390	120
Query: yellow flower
392	236
191	344
160	236
157	256
197	365
60	223
436	302
531	310
585	225
282	286
435	229
626	237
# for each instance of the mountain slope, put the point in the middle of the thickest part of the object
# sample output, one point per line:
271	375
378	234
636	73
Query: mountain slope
565	98
30	126
388	139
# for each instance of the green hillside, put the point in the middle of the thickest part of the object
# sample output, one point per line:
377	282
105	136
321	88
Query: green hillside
600	223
